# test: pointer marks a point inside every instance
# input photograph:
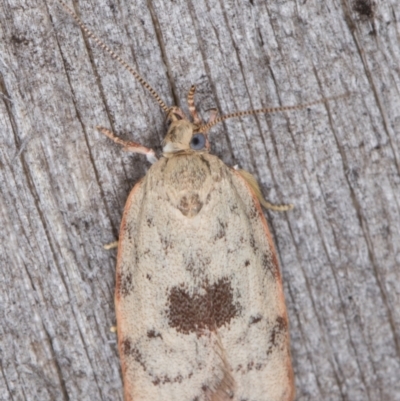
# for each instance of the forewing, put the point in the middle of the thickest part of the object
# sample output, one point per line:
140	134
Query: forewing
199	298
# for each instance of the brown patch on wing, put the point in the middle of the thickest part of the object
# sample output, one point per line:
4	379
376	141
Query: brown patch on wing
197	264
191	313
159	380
270	263
128	350
131	352
126	346
153	334
190	205
221	230
254	366
124	284
166	243
279	334
255	319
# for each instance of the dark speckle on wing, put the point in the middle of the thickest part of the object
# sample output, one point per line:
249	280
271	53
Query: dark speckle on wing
124	282
130	351
278	334
270	263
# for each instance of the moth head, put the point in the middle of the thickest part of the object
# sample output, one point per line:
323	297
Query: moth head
183	136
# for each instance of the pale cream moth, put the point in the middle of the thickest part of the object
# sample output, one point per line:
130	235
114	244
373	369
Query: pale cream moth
199	299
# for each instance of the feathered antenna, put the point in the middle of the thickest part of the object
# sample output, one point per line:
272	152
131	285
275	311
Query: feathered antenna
115	56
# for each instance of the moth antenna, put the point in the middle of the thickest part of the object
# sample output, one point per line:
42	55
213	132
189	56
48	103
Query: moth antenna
267	110
115	56
192	107
211	118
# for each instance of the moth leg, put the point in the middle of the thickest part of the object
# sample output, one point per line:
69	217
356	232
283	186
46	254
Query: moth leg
111	245
276	208
192	107
257	191
130	146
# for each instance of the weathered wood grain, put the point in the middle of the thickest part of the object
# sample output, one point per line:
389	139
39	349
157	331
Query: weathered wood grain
63	184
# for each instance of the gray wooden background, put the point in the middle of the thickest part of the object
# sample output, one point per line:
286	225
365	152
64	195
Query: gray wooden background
63	184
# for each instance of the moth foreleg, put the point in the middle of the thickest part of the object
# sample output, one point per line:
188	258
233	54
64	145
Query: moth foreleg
130	146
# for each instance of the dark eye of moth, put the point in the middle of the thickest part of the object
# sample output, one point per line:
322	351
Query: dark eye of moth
198	142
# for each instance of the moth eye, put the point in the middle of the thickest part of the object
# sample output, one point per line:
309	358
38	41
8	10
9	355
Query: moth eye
198	142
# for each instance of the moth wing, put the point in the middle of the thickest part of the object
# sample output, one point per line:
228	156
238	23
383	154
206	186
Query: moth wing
278	371
199	300
124	285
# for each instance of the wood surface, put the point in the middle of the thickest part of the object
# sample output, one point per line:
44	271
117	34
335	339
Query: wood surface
63	184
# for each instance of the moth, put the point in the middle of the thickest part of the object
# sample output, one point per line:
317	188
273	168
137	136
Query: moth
199	299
